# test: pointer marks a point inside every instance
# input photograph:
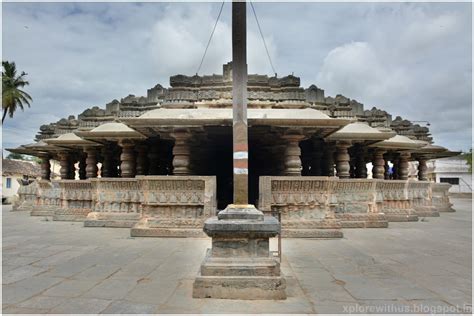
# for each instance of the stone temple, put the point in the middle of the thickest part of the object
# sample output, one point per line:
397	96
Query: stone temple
161	164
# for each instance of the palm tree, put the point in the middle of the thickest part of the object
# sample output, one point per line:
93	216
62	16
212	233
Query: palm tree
12	95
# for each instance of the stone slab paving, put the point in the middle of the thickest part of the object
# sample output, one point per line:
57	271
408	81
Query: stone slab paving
63	267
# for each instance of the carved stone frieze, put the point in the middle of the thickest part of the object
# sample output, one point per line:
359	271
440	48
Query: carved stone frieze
393	201
354	203
303	204
419	192
175	206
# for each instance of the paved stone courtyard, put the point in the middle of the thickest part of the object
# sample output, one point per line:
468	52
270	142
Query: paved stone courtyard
63	267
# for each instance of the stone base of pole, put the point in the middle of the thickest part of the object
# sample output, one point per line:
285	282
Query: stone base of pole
239	265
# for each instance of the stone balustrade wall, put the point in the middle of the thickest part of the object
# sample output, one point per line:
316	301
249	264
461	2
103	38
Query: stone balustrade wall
76	200
47	198
175	206
440	197
26	196
392	200
179	205
116	202
303	204
420	195
354	203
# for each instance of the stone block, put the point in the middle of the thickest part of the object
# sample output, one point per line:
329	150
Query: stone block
239	264
240	287
111	219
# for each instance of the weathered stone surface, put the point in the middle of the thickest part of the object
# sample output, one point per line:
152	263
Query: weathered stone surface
440	197
420	195
239	264
240	287
26	196
47	198
393	201
116	202
175	206
354	203
303	204
75	199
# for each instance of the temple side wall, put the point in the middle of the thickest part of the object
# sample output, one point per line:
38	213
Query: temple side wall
420	195
76	200
393	201
48	198
116	202
303	204
175	206
178	205
354	203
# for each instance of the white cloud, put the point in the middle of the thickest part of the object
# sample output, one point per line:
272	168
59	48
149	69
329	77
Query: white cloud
410	59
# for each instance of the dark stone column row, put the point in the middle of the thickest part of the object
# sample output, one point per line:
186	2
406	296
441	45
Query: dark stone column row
317	158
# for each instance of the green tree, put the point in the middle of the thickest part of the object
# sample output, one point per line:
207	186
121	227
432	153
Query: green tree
468	157
13	97
15	156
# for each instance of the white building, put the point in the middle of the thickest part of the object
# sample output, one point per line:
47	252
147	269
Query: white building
452	170
14	170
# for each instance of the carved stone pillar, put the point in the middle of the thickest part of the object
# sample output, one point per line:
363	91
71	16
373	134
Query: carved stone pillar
181	153
142	159
45	168
386	174
316	158
82	167
293	155
128	159
106	170
91	162
395	167
403	166
153	159
166	159
328	160
71	166
306	157
422	169
378	170
342	159
360	164
64	162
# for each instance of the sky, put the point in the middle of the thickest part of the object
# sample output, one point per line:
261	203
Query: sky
410	59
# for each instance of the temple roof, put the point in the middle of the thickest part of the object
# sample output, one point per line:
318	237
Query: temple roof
358	131
398	142
69	140
280	117
113	130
